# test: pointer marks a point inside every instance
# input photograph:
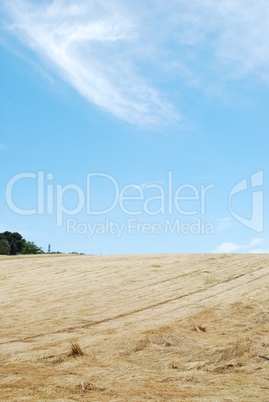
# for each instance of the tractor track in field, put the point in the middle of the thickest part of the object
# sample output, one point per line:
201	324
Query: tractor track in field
239	281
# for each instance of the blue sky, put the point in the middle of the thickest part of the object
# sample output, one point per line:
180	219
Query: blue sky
159	100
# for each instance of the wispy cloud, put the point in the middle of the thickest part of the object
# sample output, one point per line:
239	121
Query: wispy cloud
88	44
259	251
121	55
222	38
234	247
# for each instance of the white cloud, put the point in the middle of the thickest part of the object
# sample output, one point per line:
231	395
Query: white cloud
227	248
254	242
87	43
259	251
116	54
234	247
233	35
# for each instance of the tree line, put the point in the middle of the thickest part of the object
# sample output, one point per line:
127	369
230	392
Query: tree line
12	243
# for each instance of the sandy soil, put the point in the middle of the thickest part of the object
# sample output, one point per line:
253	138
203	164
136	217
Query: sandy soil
150	328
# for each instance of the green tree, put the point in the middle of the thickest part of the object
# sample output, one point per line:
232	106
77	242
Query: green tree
4	247
15	241
30	247
12	243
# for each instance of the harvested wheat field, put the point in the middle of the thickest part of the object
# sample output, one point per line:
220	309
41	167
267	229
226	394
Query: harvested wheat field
135	328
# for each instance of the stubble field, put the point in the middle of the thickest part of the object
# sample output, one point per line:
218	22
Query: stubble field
134	328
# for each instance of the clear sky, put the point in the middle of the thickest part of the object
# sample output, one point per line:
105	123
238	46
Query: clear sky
125	126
